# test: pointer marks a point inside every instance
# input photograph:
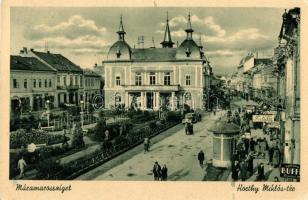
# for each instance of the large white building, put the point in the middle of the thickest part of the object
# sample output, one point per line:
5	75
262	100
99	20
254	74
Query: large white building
155	78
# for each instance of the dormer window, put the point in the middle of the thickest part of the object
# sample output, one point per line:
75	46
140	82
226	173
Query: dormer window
118	53
188	52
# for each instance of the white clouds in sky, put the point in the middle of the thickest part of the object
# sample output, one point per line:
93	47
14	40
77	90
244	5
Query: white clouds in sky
217	39
77	33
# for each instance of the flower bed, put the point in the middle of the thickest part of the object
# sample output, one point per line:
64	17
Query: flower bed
21	138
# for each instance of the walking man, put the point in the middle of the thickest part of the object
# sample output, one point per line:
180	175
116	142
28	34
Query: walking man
146	144
21	166
156	171
201	158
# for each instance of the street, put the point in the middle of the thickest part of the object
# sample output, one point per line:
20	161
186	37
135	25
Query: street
178	152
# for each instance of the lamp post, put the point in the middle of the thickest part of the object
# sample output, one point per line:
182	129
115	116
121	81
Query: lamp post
82	112
48	112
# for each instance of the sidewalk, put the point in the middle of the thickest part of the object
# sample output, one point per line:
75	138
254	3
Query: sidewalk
269	171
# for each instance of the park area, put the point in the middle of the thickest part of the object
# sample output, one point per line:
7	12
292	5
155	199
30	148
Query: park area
78	145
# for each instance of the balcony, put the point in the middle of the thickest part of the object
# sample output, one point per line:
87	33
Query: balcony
159	88
68	87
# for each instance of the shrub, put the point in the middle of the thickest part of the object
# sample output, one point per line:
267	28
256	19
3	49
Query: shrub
48	167
173	116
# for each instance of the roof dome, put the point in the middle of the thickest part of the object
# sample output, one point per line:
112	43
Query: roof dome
223	127
188	50
120	50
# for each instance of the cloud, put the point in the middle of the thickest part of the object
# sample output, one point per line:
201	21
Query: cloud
223	53
84	42
74	27
76	34
215	37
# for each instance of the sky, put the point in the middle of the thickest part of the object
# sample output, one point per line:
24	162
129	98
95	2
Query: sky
84	35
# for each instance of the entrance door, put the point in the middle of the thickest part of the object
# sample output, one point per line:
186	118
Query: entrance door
150	100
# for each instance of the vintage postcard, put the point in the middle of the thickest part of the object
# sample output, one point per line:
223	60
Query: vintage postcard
153	100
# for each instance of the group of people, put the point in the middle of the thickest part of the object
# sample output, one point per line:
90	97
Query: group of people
160	173
248	149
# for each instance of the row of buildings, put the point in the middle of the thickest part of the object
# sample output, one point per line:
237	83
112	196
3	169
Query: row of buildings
41	77
276	80
140	78
255	78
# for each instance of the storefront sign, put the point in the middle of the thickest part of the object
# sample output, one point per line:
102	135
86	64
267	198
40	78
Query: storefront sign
289	171
263	118
273	125
269	112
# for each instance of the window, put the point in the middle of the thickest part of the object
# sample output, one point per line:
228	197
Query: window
40	83
187	79
45	83
138	78
25	83
81	81
34	83
64	80
71	80
50	83
58	80
167	78
15	83
76	80
118	80
152	78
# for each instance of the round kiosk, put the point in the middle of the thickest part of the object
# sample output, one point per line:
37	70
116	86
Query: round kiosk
224	141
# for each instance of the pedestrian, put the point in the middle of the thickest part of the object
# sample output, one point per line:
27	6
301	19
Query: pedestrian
164	173
261	176
243	170
257	147
201	158
249	160
263	145
106	135
156	171
276	157
21	166
270	151
146	144
252	144
186	128
234	170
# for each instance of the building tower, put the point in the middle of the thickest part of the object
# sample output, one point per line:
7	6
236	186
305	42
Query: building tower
167	43
121	31
189	29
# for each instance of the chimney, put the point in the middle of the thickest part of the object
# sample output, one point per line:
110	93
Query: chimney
32	49
25	50
48	52
95	65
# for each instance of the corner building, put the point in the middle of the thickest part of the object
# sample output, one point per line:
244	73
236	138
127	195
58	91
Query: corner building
155	78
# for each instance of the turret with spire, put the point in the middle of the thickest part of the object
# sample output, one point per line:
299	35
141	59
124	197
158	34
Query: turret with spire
121	31
167	43
189	29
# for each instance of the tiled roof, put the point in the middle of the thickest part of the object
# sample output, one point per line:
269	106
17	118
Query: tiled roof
153	54
28	63
58	61
88	72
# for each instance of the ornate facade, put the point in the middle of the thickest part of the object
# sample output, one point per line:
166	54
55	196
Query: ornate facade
154	78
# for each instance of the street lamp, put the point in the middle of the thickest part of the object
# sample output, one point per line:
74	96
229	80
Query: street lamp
48	112
82	112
